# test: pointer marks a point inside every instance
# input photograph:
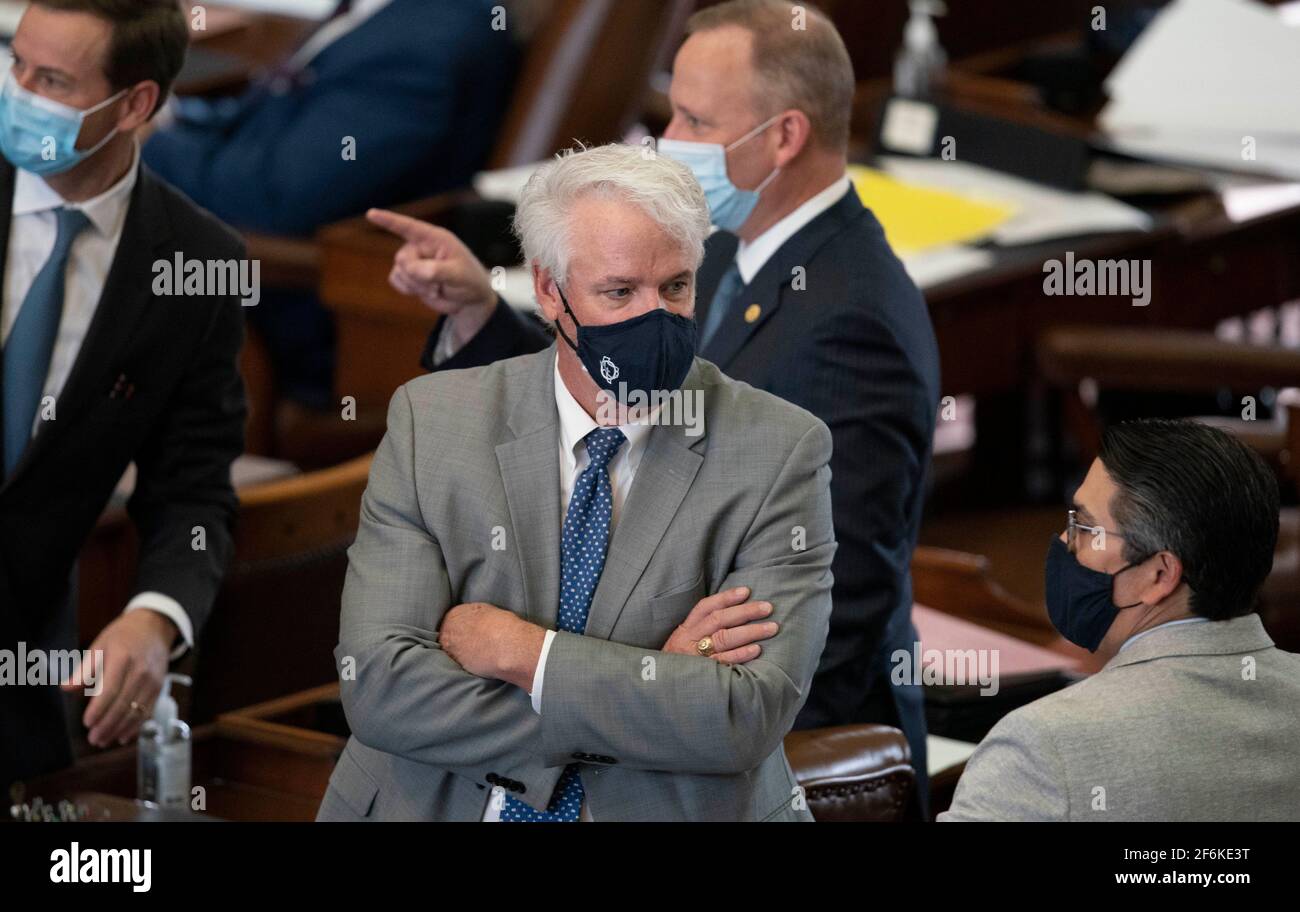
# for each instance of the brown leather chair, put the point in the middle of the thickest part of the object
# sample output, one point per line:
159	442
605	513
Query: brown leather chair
276	619
1167	360
854	772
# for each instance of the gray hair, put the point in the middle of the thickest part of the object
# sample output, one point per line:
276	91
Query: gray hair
666	190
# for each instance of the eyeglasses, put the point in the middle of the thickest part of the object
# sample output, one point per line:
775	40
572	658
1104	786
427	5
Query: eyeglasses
1072	527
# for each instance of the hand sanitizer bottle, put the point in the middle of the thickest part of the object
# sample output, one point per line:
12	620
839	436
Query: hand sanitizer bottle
919	67
163	753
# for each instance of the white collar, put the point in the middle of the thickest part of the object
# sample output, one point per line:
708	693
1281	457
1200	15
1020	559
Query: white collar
751	257
1137	636
107	211
575	423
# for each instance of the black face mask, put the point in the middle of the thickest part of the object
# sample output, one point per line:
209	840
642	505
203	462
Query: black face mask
1080	600
651	352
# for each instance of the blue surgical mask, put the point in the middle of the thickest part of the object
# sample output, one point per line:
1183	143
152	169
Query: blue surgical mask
1080	600
649	353
729	206
40	135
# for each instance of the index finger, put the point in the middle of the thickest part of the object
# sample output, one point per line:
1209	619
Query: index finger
410	229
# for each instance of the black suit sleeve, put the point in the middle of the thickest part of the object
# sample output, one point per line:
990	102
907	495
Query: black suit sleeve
881	411
183	479
507	334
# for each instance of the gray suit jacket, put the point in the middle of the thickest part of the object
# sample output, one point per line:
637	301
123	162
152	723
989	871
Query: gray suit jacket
463	505
1190	722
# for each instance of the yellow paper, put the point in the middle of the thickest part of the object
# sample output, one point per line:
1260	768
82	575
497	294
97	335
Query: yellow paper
917	218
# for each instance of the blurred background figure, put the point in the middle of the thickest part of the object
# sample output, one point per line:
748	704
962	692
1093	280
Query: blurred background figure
386	101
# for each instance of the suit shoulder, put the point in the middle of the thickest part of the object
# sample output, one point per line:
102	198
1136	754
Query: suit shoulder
198	232
1079	707
734	407
475	388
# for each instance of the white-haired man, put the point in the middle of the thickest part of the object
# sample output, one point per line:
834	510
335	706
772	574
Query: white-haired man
799	295
528	632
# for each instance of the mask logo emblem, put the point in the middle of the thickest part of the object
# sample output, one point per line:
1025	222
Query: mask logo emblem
608	369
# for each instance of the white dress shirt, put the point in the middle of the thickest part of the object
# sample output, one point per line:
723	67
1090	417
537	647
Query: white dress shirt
33	228
751	257
575	424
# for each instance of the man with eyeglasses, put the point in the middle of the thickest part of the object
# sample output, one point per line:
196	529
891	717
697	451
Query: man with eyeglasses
1196	714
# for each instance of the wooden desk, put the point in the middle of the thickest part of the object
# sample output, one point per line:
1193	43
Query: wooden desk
246	774
1204	266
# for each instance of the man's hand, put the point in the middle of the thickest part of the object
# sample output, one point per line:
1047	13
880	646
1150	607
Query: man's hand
492	643
137	650
724	618
434	266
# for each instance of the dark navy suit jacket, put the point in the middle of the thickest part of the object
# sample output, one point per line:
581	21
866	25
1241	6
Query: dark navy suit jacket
856	348
419	86
156	382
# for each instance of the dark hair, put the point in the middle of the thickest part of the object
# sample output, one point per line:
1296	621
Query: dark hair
1201	494
149	39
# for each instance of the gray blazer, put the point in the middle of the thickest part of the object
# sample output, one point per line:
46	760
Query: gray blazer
1190	722
463	505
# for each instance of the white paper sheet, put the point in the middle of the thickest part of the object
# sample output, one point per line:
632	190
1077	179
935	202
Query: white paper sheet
1204	76
942	753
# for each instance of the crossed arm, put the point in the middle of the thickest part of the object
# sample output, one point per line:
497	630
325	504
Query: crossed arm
449	686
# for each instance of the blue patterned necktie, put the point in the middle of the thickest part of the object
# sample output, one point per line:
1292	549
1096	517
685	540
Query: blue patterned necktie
582	558
31	340
723	301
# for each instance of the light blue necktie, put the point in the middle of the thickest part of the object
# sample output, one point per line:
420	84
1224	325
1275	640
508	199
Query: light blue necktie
723	301
582	558
30	344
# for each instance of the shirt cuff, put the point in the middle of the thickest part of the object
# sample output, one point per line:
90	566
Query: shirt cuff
171	609
446	346
536	692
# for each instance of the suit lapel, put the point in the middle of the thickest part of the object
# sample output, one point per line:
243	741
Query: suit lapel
764	295
666	472
122	304
530	473
719	251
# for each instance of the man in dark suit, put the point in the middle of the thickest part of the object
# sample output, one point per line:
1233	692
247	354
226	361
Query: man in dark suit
103	367
800	296
388	102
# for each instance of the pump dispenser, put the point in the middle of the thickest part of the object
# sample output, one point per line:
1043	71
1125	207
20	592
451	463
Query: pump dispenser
164	752
919	67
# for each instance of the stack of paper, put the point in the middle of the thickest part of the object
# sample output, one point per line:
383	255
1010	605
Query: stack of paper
1211	83
918	218
1041	213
